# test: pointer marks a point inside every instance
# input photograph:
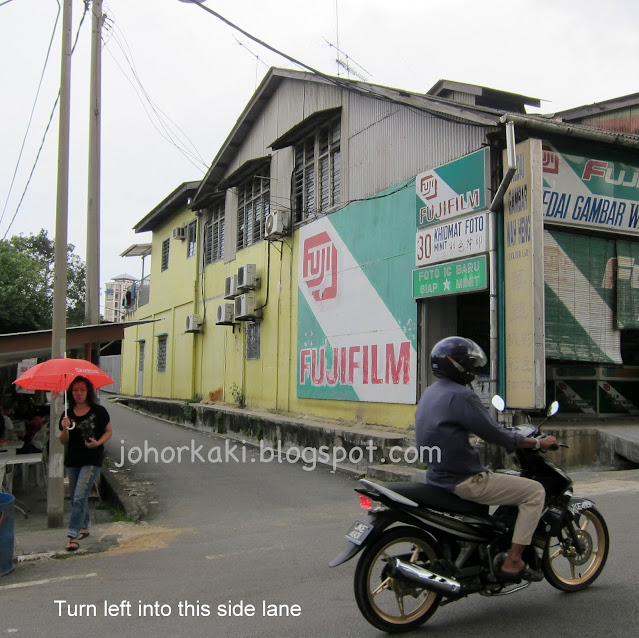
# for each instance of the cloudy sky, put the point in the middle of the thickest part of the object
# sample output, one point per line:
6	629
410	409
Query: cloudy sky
170	70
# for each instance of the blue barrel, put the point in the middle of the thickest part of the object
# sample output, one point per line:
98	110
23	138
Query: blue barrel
6	533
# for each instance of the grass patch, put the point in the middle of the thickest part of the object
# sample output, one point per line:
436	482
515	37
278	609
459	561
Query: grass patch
118	515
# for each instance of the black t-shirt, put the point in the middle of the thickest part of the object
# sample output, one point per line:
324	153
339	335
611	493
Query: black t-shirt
92	425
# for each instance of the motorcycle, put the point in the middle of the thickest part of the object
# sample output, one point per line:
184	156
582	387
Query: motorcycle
423	546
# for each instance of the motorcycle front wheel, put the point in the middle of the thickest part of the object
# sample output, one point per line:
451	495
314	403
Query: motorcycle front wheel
395	604
568	570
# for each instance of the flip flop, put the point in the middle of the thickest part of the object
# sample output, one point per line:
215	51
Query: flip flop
525	573
82	535
73	546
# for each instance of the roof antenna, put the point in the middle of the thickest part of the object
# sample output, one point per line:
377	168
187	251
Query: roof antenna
349	65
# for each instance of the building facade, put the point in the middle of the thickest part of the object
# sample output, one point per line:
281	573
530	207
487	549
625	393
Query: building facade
115	298
343	228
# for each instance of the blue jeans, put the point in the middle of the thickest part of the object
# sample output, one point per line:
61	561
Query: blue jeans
81	480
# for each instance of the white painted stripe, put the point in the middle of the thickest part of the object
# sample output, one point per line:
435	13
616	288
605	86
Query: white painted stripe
601	332
46	581
565	180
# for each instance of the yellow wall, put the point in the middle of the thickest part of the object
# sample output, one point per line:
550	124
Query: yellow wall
210	362
172	298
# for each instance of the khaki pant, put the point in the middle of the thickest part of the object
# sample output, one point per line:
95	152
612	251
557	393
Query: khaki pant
489	488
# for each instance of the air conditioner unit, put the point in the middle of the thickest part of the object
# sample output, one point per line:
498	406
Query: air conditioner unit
230	287
277	224
225	313
246	277
193	323
245	307
179	232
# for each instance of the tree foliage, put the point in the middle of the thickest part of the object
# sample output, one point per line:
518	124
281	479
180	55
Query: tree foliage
27	280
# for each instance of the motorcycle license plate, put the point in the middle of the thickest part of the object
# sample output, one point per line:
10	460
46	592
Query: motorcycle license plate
358	532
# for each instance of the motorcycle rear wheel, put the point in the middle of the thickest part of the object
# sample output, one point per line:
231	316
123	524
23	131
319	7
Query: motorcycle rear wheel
395	605
566	570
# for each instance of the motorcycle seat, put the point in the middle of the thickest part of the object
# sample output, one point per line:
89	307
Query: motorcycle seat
438	498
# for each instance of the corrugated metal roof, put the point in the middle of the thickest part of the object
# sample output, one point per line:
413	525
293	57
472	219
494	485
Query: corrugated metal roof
179	198
496	97
437	106
597	108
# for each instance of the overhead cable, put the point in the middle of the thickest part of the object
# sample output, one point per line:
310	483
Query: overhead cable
44	137
35	101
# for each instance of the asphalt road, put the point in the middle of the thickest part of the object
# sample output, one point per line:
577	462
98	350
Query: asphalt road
250	532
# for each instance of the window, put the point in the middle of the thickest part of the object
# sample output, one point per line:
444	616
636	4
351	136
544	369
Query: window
165	254
317	174
191	239
253	332
253	205
162	343
214	233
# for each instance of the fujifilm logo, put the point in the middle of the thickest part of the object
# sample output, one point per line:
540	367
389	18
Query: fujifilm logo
600	168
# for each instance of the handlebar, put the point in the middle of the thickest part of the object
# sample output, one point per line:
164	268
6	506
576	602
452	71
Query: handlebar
557	446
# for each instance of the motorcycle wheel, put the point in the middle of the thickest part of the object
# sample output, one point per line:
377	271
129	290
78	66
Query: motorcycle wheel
390	604
568	571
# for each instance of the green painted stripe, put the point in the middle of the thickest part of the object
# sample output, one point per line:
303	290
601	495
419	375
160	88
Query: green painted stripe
311	335
566	339
380	235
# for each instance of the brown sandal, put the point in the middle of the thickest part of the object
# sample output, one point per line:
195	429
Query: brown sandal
72	545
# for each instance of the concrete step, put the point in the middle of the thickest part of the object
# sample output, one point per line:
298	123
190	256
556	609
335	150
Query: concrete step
394	473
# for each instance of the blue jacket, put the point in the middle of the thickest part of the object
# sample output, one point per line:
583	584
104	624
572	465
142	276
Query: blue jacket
446	415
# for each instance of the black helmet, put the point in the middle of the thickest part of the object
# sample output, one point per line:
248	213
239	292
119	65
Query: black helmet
456	358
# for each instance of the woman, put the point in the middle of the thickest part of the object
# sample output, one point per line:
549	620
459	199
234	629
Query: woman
85	430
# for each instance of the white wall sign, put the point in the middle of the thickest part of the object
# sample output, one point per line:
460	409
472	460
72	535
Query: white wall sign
461	237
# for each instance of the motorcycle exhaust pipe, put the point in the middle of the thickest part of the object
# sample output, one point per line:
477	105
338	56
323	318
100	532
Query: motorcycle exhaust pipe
427	579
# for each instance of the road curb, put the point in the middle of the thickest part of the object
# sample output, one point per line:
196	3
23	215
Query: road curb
121	492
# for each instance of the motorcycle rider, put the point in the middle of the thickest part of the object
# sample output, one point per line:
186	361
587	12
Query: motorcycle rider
447	414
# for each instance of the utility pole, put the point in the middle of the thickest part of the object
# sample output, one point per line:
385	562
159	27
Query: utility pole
55	485
92	305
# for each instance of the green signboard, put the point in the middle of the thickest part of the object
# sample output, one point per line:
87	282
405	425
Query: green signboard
454	277
453	189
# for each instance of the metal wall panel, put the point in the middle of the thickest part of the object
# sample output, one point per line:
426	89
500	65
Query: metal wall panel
292	102
389	143
625	121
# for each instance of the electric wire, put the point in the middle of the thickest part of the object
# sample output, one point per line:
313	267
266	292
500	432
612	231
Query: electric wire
5	2
348	85
169	135
164	125
44	137
35	101
123	43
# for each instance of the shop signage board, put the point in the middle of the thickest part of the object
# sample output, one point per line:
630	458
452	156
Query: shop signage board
595	191
456	188
460	237
455	277
524	281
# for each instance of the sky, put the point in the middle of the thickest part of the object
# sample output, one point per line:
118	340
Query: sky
171	70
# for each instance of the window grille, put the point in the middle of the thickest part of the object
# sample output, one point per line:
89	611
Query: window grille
253	206
317	172
191	239
162	345
214	234
165	254
253	333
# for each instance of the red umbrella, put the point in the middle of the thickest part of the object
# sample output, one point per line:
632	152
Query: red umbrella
56	375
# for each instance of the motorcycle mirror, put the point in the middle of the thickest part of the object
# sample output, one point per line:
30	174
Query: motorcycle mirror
500	405
553	408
